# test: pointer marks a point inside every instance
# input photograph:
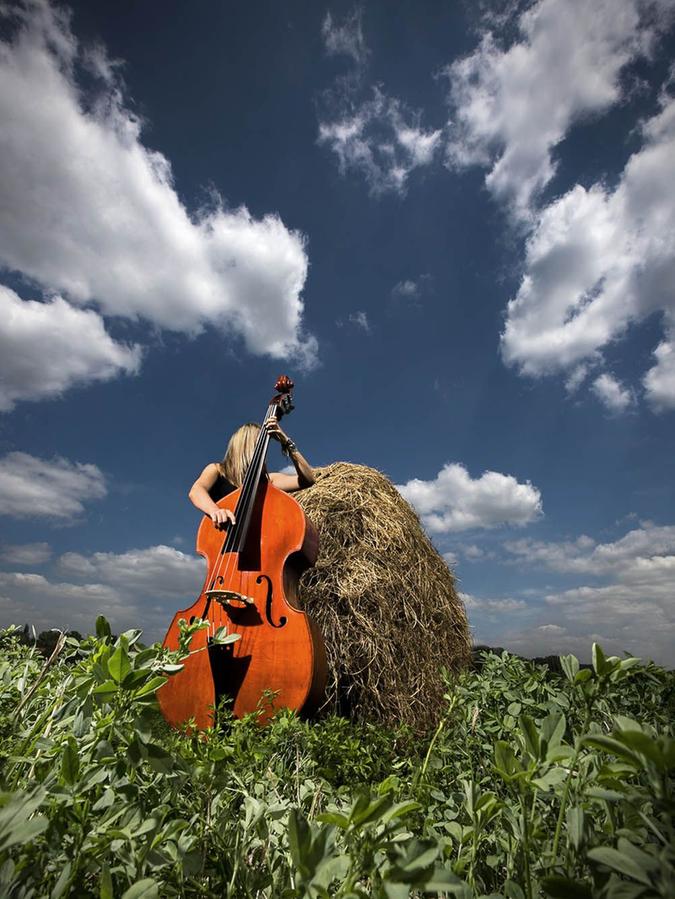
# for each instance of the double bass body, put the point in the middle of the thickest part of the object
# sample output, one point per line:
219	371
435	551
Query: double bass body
253	593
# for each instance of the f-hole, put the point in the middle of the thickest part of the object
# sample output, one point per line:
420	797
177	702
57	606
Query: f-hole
268	602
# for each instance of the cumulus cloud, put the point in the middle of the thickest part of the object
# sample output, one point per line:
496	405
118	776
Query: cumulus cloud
454	501
139	588
23	554
630	610
34	599
88	210
598	261
659	382
138	570
409	289
507	604
611	394
47	489
45	348
639	547
513	106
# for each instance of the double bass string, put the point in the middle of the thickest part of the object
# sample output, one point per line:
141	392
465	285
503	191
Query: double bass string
236	534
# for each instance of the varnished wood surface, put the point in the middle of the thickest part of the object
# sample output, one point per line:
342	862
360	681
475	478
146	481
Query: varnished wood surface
287	661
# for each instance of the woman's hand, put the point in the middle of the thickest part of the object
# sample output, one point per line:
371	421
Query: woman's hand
274	430
222	517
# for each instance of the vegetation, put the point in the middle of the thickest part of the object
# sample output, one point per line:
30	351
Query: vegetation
531	785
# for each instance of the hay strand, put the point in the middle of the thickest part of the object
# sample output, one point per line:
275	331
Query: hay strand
384	599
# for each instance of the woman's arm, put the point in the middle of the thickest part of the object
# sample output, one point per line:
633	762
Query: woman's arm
304	476
199	496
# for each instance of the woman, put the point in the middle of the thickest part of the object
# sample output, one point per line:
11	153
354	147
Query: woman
220	478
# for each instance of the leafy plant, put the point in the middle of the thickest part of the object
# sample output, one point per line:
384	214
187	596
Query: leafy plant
531	785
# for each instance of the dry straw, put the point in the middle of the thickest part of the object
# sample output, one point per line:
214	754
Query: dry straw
384	599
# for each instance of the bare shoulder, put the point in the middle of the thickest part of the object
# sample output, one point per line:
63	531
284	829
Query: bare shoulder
209	476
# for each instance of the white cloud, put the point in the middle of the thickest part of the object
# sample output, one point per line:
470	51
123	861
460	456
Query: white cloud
623	599
513	106
45	348
380	139
139	588
345	38
577	378
492	605
47	489
659	382
408	288
25	554
360	319
456	502
634	613
610	392
598	261
140	570
641	548
88	210
34	599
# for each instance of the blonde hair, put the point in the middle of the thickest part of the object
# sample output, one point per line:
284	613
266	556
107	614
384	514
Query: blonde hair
239	453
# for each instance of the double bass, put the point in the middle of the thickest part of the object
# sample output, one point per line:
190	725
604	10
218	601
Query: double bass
251	588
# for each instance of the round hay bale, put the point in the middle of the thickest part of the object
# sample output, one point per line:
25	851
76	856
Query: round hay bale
384	599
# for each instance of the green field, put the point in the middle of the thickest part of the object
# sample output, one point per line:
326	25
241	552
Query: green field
533	784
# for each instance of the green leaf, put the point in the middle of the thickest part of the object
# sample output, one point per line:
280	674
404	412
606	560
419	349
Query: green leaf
62	882
102	628
334	818
553	729
443	881
505	760
159	759
552	778
599	660
570	667
333	868
575	825
512	890
644	744
624	723
142	889
19	823
608	744
70	762
529	731
105	884
563	888
222	638
118	663
420	855
617	861
642	859
607	795
373	811
131	636
299	839
106	689
151	686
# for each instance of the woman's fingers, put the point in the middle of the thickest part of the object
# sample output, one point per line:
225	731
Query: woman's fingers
222	517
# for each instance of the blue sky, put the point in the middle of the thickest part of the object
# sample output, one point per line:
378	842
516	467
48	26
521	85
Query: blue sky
452	224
